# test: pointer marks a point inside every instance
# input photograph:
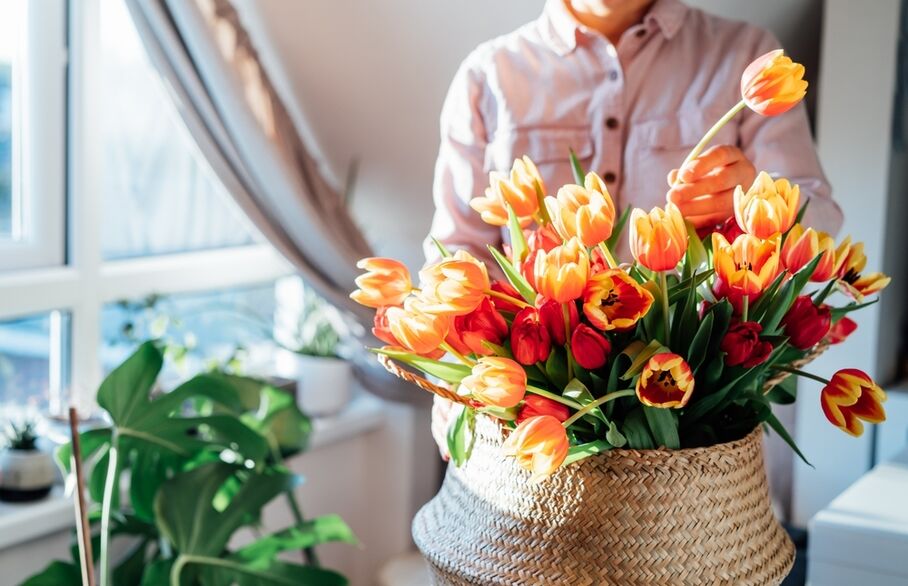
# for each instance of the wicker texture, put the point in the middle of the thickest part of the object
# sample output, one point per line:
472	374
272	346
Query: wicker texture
693	516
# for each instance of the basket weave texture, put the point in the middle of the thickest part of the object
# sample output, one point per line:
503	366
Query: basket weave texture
625	517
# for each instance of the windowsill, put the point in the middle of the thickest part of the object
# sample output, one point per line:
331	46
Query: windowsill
22	522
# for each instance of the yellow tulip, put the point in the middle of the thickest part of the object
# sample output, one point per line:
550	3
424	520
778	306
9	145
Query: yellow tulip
773	84
540	445
768	207
497	382
586	212
561	273
517	189
803	245
659	239
386	282
666	382
851	262
745	267
454	286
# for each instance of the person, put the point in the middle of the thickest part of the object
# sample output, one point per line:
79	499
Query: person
631	86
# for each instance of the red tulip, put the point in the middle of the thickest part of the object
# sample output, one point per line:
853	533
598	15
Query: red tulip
534	405
530	341
483	324
742	345
590	348
850	397
551	314
840	330
503	304
806	324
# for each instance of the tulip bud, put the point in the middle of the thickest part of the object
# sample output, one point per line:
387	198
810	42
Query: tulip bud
386	282
803	245
535	405
840	330
530	342
658	239
551	314
586	212
806	324
666	382
518	189
852	396
590	348
416	330
496	381
454	286
768	207
743	347
483	324
540	445
561	273
773	84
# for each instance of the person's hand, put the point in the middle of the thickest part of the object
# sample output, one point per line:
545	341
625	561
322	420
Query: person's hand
441	418
705	186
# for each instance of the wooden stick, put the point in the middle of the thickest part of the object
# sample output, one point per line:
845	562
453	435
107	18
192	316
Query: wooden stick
83	529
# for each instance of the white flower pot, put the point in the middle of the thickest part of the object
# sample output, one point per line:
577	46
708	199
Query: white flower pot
323	385
26	475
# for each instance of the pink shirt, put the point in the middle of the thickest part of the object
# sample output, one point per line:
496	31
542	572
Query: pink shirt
631	112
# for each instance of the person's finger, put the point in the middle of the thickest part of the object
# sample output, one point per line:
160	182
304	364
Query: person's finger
709	220
724	178
713	157
721	203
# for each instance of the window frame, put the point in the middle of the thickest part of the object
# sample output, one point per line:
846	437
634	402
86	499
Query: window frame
86	282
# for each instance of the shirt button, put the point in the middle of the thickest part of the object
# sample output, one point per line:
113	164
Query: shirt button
609	177
613	74
611	123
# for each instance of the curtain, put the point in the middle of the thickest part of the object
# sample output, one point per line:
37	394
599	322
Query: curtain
242	128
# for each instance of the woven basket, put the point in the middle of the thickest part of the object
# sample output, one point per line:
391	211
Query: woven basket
692	516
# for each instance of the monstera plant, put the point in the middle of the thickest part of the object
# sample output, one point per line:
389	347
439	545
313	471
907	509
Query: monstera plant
177	474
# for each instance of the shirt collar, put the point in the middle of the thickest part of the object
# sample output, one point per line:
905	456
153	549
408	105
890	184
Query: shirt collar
560	29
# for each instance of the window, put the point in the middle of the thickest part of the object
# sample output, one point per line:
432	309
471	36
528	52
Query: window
120	206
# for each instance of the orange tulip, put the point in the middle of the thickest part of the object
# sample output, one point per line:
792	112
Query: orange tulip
496	381
615	301
518	190
454	286
561	273
666	381
416	330
852	280
659	239
540	445
586	212
768	207
386	282
852	396
773	84
803	245
747	266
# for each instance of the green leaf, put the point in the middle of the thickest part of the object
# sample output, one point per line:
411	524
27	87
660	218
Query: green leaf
89	442
217	571
460	436
158	573
577	453
442	250
777	426
697	350
759	307
636	430
790	290
824	293
447	371
696	256
784	393
677	292
514	277
577	168
57	574
614	437
124	393
579	392
840	312
664	426
618	228
132	565
556	367
519	247
279	419
326	529
640	360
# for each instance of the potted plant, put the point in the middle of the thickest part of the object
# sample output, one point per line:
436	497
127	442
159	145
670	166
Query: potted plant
26	472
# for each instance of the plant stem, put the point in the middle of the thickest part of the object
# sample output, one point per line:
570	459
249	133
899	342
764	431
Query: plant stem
554	397
566	312
450	350
309	555
712	132
593	404
745	307
504	296
106	503
666	321
544	217
608	256
797	372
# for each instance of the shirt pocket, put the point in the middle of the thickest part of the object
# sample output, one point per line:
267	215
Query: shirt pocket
548	147
656	146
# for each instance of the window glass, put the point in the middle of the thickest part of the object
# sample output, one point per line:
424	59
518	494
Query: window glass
9	38
33	372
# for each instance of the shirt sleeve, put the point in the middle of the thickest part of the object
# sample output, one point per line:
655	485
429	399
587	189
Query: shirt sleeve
783	146
459	170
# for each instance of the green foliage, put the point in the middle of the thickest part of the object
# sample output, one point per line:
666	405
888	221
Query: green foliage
201	462
22	436
316	333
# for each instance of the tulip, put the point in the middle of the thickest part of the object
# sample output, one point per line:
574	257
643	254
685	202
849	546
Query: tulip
540	445
416	330
505	288
745	267
852	280
454	286
803	245
773	84
535	405
561	274
840	330
805	324
551	314
380	328
658	240
483	324
768	207
386	282
496	381
586	212
518	190
852	396
615	301
589	347
666	381
743	347
530	342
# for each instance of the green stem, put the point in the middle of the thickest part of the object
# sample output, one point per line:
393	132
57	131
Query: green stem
712	133
504	296
450	350
566	312
593	404
666	321
608	255
797	372
745	307
309	555
554	397
544	218
106	504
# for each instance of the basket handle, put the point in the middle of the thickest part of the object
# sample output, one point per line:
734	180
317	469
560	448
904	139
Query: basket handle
421	382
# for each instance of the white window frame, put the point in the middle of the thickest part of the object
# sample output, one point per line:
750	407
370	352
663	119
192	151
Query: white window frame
87	282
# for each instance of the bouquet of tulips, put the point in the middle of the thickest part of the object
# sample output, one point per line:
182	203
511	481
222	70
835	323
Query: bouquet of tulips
578	353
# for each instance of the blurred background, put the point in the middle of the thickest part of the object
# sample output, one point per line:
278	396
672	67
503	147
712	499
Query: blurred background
114	228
